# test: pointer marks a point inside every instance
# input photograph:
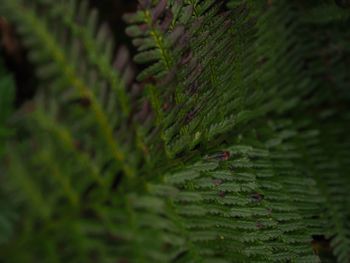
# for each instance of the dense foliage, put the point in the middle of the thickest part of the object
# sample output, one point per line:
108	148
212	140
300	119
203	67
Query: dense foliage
231	145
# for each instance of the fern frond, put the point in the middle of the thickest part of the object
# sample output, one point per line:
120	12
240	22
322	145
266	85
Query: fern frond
243	159
64	65
279	55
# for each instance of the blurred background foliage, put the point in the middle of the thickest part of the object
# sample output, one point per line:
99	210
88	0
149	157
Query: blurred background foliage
14	54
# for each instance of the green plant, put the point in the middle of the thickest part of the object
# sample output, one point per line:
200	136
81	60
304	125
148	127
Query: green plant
6	101
231	145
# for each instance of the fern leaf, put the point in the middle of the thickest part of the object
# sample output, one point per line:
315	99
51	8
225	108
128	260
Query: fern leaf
62	67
